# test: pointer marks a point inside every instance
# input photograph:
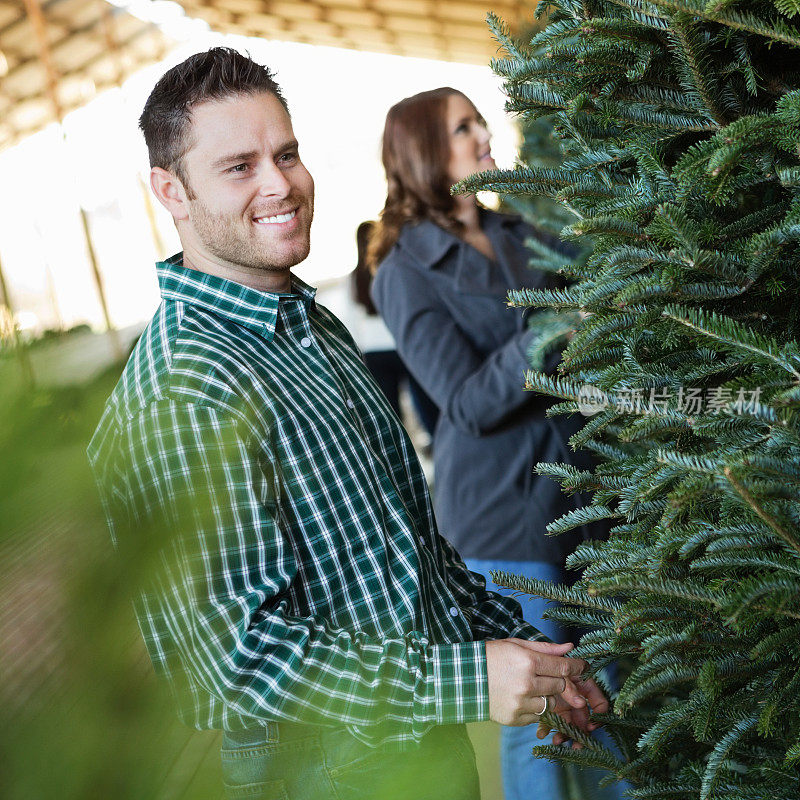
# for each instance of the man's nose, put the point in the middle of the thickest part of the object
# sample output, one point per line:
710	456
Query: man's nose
273	182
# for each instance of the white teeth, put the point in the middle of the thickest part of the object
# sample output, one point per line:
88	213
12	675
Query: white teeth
277	218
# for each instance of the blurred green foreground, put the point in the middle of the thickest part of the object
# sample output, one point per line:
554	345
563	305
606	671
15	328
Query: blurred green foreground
81	715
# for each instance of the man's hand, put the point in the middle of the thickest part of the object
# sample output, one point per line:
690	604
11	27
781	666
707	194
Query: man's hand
521	673
579	717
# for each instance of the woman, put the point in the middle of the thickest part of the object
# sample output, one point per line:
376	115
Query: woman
377	344
445	266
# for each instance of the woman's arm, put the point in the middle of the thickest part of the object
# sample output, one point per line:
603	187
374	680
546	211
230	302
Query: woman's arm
476	392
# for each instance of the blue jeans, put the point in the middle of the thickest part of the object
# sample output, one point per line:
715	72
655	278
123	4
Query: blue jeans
291	761
526	777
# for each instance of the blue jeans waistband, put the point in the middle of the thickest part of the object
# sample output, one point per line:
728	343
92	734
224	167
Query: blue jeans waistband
270	732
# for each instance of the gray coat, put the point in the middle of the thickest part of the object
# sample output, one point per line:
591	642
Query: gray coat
444	301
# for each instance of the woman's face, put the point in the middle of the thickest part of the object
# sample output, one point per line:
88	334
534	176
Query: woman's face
469	139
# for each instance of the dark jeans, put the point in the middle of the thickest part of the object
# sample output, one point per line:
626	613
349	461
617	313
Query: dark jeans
288	761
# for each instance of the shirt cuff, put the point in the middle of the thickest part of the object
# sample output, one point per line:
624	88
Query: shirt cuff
461	683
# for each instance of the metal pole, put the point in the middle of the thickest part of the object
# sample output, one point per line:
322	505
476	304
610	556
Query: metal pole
98	280
36	16
107	16
158	242
28	377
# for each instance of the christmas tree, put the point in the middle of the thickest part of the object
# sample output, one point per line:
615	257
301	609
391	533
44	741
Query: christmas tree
679	124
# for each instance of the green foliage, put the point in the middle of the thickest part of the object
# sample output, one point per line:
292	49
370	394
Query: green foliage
81	713
678	126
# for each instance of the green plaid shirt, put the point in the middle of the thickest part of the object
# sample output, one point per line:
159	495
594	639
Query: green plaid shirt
273	508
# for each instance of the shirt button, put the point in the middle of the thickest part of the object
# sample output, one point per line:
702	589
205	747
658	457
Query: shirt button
305	342
350	404
453	611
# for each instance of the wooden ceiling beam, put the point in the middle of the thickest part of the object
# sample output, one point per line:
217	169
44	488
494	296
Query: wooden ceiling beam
26	61
23	18
79	69
445	29
36	16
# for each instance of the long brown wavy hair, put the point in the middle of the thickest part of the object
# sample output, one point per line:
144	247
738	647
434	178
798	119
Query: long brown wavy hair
416	152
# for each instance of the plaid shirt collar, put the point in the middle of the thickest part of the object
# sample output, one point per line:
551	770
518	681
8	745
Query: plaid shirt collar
245	306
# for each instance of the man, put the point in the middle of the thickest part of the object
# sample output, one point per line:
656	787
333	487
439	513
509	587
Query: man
295	592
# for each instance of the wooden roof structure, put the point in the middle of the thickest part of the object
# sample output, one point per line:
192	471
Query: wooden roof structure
56	55
447	30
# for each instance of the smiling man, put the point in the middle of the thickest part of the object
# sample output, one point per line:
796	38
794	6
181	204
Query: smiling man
246	213
291	584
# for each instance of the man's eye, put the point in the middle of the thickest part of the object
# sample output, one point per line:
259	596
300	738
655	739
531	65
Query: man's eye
288	158
239	168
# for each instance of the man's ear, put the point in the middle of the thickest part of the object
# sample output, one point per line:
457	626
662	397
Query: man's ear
170	192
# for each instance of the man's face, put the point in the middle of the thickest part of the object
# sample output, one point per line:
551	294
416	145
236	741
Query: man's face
253	200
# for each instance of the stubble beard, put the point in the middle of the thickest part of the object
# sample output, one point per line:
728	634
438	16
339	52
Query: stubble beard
221	235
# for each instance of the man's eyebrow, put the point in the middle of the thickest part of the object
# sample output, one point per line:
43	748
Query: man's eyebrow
233	158
291	144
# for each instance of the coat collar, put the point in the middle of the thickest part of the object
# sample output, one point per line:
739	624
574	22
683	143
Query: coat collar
429	243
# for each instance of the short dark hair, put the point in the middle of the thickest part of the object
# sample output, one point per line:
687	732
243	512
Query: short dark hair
218	73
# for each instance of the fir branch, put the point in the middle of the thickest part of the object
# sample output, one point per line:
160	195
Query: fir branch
775	30
671	724
793	755
580	516
502	35
742	491
644	14
735	335
750	223
565	388
576	735
583	758
746	535
721	755
687	591
779	593
696	67
781	640
521	180
552	591
573	479
566	299
666	678
679	789
577	617
724	563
